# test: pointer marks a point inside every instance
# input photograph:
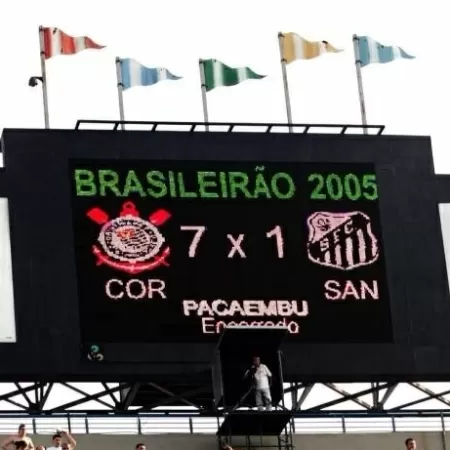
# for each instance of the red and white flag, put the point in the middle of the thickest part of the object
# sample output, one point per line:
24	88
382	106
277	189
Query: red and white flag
56	42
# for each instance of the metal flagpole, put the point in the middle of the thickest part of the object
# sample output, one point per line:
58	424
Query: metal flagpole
362	102
285	81
204	100
120	91
44	77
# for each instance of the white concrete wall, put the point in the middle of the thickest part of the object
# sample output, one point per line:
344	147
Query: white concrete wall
387	441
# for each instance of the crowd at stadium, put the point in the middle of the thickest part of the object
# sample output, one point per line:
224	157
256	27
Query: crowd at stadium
61	440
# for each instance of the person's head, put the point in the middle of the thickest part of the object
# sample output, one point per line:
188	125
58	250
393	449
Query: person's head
21	445
40	447
256	361
57	439
140	446
410	444
65	446
22	430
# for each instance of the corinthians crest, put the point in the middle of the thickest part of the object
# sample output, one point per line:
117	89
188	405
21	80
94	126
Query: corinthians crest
130	243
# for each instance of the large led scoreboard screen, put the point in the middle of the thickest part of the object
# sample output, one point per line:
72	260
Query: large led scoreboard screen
174	251
148	244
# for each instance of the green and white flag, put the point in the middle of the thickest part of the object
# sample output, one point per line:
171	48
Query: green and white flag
218	74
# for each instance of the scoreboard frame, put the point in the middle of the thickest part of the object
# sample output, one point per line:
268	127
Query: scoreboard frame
233	243
48	337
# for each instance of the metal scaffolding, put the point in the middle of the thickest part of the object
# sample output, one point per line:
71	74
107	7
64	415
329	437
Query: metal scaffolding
304	398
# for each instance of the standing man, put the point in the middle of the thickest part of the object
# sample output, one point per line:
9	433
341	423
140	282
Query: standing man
262	380
57	441
20	436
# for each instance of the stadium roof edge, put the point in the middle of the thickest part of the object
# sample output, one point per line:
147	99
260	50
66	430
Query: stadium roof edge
349	130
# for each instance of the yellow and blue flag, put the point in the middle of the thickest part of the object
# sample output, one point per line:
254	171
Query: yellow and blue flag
371	51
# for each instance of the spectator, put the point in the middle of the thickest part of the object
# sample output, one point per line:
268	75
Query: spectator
140	446
20	436
57	441
410	444
262	380
40	447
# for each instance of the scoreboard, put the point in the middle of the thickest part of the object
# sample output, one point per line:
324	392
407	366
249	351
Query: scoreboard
185	248
146	245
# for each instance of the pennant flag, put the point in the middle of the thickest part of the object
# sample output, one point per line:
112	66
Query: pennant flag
56	42
218	74
135	74
295	47
371	51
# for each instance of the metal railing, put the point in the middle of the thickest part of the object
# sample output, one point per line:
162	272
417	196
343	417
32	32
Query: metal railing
186	424
114	125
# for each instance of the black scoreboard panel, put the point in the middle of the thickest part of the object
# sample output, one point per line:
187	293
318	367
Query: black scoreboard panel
184	248
148	244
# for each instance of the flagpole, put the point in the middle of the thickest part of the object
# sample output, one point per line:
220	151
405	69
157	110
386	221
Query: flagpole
44	77
204	99
362	102
120	91
285	81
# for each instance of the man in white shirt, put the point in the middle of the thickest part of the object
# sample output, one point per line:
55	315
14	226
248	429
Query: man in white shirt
58	443
262	378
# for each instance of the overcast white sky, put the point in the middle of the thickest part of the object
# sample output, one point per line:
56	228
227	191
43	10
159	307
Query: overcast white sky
408	96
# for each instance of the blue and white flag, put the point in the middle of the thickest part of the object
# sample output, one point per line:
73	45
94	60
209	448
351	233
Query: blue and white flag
371	51
135	74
